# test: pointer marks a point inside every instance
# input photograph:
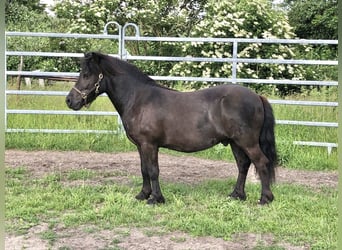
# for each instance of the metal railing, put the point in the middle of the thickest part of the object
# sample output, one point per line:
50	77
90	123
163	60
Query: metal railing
122	53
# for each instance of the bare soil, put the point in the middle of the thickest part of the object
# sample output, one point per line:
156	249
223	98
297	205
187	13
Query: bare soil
182	169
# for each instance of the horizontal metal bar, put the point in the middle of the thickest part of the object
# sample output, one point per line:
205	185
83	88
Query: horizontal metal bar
188	78
61	131
48	54
244	80
41	73
314	143
60	35
233	60
304	103
64	93
43	54
186	58
308	123
328	145
172	39
230	40
60	112
36	92
41	93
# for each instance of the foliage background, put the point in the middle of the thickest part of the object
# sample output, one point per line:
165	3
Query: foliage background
311	19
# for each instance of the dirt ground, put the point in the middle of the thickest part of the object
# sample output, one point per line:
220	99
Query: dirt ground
182	169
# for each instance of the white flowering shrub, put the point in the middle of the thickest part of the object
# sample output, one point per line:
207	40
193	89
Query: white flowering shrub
154	18
240	19
208	18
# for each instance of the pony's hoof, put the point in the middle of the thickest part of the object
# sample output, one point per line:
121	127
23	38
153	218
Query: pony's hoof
266	199
263	202
142	196
236	196
153	200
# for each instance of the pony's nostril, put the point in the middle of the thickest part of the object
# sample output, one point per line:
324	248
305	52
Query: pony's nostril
68	100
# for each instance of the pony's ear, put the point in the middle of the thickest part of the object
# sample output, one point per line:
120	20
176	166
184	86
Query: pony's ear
96	57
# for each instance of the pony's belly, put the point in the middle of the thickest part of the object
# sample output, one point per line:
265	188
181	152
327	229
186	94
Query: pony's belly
192	143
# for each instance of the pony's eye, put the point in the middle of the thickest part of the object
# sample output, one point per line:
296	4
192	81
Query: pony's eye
85	74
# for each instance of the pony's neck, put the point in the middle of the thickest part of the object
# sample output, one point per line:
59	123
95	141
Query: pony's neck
123	89
121	93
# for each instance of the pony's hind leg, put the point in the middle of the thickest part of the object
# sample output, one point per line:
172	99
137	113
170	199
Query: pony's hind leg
243	163
261	164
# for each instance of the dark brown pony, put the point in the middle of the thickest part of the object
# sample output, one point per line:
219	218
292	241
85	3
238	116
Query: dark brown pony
154	116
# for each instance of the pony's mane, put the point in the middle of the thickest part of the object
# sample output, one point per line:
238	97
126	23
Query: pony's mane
115	66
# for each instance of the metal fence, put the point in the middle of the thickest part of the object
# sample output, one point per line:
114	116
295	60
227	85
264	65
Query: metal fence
122	39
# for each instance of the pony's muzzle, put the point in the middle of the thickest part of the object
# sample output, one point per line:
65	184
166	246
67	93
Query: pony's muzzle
73	103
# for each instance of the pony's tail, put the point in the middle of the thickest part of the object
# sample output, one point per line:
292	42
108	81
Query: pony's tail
267	139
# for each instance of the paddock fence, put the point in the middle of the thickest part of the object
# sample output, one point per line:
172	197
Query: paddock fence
119	50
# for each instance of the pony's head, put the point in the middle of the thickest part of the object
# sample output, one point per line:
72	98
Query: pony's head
88	85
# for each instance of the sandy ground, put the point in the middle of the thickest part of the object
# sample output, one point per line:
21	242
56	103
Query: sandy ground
185	169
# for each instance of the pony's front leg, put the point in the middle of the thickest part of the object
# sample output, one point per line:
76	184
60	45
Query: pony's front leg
146	188
150	173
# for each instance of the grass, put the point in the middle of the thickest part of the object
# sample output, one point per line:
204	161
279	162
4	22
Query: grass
299	216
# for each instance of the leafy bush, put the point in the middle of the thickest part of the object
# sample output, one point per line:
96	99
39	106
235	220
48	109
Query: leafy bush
241	19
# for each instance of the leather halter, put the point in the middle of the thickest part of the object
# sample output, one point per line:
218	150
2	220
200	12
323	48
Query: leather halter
85	94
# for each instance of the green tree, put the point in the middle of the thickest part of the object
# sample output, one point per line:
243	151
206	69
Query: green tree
154	18
16	10
29	16
314	19
25	15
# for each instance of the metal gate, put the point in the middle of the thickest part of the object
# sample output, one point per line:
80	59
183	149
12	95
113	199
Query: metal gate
122	53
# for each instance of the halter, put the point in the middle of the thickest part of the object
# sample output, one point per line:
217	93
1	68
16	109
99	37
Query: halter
96	87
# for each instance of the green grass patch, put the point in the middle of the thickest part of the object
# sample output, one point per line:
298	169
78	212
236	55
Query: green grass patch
299	216
83	174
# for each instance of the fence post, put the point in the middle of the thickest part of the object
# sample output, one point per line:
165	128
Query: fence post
137	34
20	68
234	66
119	27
